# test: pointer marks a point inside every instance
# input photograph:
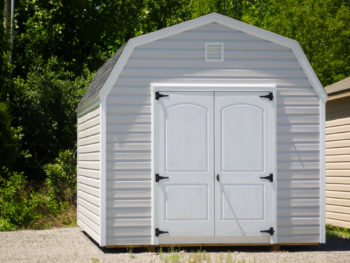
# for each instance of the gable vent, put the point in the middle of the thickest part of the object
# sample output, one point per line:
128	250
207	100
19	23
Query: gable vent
214	51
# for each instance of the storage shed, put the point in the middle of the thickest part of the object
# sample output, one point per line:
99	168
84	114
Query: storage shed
207	132
338	154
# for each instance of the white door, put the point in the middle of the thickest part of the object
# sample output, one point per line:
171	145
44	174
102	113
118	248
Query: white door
244	152
185	155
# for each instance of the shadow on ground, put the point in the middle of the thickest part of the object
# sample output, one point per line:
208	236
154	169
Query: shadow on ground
333	243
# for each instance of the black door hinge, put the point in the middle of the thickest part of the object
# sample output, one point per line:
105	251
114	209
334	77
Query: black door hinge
271	231
158	95
270	177
158	177
269	96
159	232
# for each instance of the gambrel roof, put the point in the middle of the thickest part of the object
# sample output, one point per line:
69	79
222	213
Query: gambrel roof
110	71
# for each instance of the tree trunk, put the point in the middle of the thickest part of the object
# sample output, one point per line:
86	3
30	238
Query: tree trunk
7	10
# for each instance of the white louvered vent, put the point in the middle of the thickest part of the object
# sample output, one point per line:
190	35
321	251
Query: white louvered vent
214	51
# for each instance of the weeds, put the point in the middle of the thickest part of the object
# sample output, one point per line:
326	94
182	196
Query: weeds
337	231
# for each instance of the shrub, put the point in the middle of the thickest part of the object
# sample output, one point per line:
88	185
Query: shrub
17	204
62	178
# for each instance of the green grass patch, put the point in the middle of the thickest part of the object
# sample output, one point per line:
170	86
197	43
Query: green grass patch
337	231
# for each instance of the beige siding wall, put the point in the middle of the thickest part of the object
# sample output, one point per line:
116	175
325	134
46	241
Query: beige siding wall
338	162
88	172
180	59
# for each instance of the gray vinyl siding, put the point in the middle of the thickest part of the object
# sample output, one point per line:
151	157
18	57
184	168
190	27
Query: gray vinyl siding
180	59
88	172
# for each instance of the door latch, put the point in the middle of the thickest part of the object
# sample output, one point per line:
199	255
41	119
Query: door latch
159	232
268	96
158	95
269	177
218	177
271	231
158	177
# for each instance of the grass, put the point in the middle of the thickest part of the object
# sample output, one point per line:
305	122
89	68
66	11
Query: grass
337	231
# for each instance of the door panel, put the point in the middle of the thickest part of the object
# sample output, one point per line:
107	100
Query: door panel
186	142
244	148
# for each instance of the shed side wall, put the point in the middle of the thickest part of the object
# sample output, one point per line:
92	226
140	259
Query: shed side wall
88	173
180	59
338	162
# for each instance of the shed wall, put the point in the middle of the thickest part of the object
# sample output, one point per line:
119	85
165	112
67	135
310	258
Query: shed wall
88	173
180	59
338	162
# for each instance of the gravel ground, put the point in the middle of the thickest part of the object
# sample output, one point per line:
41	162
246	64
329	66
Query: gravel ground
72	245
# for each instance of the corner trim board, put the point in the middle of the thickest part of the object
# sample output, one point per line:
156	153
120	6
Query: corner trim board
103	123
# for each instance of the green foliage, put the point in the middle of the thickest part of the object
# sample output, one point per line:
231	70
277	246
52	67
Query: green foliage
17	205
337	231
61	178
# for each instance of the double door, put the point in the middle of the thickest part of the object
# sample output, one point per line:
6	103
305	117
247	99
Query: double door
215	164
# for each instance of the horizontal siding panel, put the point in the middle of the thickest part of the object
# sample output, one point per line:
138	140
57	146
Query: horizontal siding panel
128	212
89	140
129	223
299	211
93	165
298	230
338	151
89	132
289	239
338	180
90	115
128	137
128	118
338	158
337	144
127	176
338	122
89	197
338	136
295	184
340	223
86	212
297	128
121	165
89	181
298	137
298	110
338	172
298	221
126	240
94	209
338	187
193	67
338	129
295	175
89	173
296	156
153	53
338	209
297	147
89	190
136	155
338	216
296	193
126	109
297	119
89	156
338	166
297	202
128	127
125	184
112	203
89	148
140	90
129	231
199	44
139	101
301	165
307	91
337	201
127	146
89	123
337	194
212	35
142	193
297	101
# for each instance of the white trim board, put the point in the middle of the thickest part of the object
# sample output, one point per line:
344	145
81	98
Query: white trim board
223	20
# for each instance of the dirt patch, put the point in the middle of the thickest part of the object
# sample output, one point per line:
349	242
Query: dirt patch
72	245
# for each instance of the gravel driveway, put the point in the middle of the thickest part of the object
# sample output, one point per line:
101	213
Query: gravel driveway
72	245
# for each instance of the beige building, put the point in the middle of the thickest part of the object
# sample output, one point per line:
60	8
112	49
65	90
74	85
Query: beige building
338	154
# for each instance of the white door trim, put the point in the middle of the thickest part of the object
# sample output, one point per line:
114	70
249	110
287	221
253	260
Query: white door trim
192	87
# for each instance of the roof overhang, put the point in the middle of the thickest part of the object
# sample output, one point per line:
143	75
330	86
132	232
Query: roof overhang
223	20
